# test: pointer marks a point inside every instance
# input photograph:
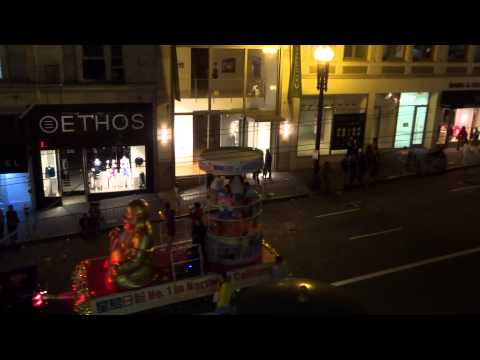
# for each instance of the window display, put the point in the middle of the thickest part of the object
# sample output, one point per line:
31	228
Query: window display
50	173
117	168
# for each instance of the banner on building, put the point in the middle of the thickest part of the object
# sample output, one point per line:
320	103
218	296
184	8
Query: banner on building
175	81
295	86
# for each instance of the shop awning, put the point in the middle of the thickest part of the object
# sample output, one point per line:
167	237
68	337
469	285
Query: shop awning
460	99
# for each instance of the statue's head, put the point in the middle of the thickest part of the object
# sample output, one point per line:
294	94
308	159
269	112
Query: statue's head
137	212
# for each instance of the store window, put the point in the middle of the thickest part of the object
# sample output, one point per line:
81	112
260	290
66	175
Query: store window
262	79
411	118
422	53
49	161
457	53
307	128
393	52
355	52
117	67
116	168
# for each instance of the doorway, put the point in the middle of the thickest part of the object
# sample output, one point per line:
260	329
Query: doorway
72	177
259	134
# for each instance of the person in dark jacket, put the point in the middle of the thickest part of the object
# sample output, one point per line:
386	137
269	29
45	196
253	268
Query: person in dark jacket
362	167
462	137
12	223
267	168
352	169
345	169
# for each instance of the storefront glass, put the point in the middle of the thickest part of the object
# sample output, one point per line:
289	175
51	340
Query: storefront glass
49	159
116	168
262	79
411	119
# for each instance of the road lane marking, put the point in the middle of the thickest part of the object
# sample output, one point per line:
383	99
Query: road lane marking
375	233
405	267
337	213
463	188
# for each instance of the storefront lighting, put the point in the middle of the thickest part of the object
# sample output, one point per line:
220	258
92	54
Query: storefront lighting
273	87
286	130
164	135
389	96
269	50
323	54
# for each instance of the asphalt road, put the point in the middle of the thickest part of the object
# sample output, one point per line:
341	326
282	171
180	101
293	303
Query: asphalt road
337	238
383	227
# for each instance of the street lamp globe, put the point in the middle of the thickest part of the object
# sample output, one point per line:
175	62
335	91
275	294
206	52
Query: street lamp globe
323	54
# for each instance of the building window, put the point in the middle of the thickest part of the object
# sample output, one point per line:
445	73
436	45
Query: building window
118	73
457	53
393	53
477	54
422	53
262	79
353	52
102	63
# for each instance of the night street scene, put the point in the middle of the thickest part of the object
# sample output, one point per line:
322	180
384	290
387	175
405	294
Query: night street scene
230	180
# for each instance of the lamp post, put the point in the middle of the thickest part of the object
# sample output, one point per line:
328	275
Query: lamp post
323	55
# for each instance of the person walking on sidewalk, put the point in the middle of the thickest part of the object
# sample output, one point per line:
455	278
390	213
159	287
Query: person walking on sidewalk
362	169
462	138
327	178
12	223
345	170
223	296
352	170
267	168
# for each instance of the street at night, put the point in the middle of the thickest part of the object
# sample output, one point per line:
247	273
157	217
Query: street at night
239	179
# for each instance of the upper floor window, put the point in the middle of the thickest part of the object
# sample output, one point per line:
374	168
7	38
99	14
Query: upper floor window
393	52
2	64
102	63
476	57
457	52
422	53
354	52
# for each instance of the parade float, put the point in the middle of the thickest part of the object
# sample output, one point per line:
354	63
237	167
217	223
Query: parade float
143	273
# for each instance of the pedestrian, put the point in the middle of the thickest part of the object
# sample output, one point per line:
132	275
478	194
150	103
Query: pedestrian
345	170
362	169
352	169
267	167
2	224
169	218
223	296
83	222
12	223
197	223
462	138
255	177
326	178
280	269
475	135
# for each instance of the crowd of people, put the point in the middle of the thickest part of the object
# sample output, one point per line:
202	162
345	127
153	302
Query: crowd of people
360	166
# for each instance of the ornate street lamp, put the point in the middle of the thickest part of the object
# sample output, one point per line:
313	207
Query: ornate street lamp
323	55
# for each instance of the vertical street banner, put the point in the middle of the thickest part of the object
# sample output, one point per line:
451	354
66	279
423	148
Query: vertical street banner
295	86
175	81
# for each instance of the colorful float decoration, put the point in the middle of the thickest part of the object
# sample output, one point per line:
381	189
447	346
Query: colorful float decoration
139	275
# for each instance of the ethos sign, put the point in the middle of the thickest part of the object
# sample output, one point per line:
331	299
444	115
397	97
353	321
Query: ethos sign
91	124
50	124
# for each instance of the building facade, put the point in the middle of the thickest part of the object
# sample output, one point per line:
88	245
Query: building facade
88	121
102	121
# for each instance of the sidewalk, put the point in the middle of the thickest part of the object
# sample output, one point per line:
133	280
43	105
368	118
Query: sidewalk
64	220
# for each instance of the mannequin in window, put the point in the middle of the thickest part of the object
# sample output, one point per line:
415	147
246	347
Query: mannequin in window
49	174
109	172
114	179
125	170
